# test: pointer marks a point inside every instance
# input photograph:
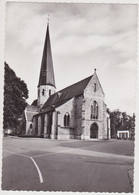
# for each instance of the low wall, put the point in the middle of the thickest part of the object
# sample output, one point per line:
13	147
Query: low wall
65	133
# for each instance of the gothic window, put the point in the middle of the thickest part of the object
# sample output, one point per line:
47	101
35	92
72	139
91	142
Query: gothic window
94	110
49	92
95	87
43	92
91	112
66	119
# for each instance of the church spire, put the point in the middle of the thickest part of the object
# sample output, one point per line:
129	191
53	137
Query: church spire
47	72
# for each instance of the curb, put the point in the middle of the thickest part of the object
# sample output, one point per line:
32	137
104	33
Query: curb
131	176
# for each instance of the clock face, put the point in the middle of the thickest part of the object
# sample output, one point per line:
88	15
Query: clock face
43	73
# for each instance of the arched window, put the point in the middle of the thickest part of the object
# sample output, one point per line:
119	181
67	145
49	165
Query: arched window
95	87
66	119
91	112
43	92
49	92
94	110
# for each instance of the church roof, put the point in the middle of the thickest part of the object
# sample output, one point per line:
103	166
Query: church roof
47	72
65	94
34	103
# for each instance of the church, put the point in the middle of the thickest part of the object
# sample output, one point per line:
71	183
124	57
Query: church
75	112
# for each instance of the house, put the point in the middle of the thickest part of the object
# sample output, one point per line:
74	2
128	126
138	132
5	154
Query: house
75	112
127	130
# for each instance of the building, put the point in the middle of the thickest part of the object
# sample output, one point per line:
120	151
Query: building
124	131
26	122
127	130
75	112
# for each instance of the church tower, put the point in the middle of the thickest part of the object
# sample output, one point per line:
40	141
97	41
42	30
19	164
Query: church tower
46	85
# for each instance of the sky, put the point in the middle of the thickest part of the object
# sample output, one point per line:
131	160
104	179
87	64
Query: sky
83	37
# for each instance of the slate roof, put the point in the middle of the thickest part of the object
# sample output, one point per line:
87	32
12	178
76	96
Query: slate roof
47	72
65	94
34	103
126	126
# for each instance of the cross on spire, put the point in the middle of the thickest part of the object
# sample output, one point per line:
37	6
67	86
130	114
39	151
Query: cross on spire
47	72
48	18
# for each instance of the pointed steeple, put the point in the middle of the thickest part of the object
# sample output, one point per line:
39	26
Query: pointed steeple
47	71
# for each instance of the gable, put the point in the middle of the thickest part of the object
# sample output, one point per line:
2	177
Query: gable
94	88
30	111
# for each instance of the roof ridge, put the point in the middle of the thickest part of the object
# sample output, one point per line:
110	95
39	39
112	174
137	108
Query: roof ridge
67	93
73	84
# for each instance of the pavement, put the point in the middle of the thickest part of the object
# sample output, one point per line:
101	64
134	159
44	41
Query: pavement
78	166
131	176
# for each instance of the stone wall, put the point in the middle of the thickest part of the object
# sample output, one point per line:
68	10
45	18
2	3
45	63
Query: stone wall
79	109
66	132
39	125
42	98
28	129
34	125
78	116
105	127
91	95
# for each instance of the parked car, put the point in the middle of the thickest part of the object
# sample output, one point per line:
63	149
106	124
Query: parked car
9	132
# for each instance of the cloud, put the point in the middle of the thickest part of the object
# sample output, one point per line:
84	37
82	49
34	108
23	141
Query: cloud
83	37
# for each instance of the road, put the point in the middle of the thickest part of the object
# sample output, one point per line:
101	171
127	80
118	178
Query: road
52	165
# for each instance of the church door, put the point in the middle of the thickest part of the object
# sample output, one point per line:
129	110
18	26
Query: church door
94	131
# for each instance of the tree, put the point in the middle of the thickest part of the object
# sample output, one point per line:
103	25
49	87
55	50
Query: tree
125	117
15	95
117	118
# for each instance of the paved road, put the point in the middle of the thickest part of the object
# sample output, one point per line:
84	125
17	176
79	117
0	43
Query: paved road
52	165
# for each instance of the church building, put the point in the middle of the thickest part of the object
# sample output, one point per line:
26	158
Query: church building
75	112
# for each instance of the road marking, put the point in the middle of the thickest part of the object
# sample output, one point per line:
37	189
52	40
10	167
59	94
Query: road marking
17	153
88	153
39	172
69	150
62	151
50	153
